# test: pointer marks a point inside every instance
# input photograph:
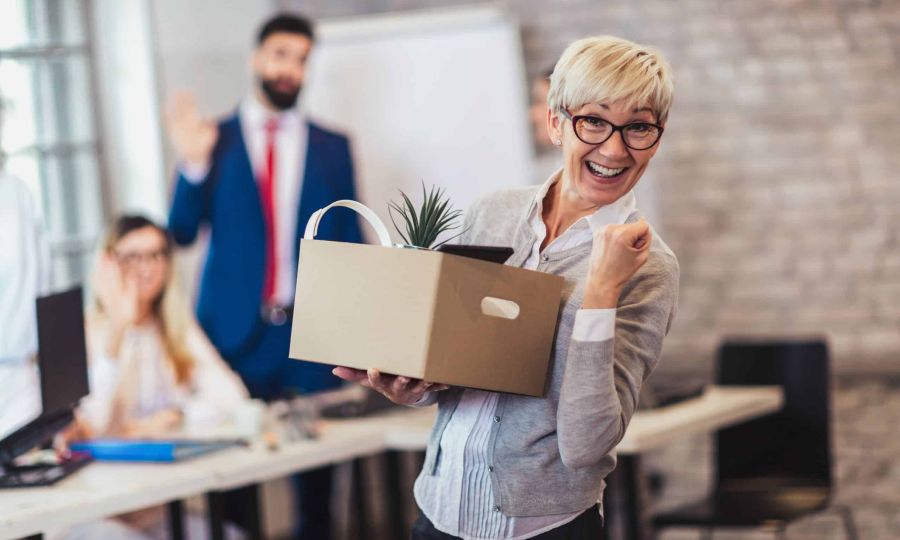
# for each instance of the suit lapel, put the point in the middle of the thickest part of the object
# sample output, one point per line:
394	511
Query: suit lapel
314	188
241	172
247	163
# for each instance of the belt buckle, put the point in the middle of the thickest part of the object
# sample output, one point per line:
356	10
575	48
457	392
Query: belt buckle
275	315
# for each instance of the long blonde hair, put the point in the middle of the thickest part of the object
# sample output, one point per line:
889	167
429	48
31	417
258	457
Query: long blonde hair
170	308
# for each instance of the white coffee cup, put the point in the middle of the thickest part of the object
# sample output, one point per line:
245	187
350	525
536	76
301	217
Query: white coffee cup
248	418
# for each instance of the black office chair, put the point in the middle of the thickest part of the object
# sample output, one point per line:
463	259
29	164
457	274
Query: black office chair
775	469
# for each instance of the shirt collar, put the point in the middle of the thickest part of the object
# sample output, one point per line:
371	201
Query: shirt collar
257	114
616	212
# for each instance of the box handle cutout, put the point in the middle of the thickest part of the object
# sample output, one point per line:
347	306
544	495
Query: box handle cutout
498	307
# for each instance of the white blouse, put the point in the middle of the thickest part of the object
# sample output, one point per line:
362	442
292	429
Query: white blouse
142	381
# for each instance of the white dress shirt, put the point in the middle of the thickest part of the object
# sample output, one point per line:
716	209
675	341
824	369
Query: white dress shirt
290	162
24	275
459	498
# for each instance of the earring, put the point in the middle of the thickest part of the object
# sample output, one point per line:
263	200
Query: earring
557	142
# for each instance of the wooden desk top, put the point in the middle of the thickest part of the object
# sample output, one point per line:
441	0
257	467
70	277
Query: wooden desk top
106	489
718	407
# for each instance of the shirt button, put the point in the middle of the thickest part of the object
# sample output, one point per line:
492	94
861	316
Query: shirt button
496	419
545	257
496	509
490	468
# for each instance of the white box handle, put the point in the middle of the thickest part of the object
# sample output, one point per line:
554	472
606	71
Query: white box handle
312	226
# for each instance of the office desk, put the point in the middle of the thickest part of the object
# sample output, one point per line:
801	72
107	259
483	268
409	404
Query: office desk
339	442
106	489
717	408
97	491
242	467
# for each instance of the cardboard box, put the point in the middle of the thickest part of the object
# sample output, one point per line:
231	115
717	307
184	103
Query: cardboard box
425	314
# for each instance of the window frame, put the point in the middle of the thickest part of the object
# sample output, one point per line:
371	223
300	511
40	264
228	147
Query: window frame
70	248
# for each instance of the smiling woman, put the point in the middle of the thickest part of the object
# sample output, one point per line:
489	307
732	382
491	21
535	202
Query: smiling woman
516	467
608	103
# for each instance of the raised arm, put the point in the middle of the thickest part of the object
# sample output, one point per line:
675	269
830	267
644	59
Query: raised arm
603	378
193	139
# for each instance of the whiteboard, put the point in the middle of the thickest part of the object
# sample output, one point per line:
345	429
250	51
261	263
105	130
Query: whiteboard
437	96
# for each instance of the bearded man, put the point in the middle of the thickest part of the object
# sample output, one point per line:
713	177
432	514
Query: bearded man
253	180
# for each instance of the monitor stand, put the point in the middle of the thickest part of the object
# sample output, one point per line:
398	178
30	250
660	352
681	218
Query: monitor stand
23	476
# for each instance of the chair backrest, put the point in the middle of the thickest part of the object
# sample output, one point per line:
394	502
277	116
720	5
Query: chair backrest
791	447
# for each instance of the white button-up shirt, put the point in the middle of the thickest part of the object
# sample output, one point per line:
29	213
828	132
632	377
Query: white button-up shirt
24	275
290	163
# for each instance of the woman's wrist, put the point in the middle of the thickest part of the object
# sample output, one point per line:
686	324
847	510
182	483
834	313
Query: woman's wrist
114	340
600	297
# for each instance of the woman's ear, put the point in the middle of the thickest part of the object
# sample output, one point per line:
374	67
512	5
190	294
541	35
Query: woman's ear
554	126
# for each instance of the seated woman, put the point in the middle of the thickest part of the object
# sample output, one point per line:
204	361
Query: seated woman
152	369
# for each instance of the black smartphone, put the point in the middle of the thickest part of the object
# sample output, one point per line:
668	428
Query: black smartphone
496	254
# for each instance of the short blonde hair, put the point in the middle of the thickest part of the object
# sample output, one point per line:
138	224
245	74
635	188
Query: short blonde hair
610	69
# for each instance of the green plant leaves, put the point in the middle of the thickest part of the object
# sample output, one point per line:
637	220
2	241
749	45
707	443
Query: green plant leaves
423	226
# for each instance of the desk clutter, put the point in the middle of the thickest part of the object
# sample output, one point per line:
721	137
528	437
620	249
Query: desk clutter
154	451
62	368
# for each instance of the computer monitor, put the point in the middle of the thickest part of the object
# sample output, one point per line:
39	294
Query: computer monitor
62	363
62	352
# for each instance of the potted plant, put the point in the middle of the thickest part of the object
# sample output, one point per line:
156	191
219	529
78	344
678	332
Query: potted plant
424	225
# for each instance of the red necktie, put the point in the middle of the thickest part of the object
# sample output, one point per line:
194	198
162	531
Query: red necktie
267	195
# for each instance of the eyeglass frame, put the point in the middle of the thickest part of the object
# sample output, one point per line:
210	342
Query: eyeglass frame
133	259
615	128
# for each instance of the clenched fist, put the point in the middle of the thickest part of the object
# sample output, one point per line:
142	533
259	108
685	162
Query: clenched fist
618	252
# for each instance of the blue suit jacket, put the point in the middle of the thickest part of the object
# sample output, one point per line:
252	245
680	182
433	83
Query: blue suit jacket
228	202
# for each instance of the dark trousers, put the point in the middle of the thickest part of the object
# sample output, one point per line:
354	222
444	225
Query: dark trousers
269	374
587	526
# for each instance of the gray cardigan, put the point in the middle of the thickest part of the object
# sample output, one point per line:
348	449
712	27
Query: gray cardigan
551	454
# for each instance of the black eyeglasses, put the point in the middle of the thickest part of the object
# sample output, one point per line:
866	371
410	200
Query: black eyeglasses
130	259
596	130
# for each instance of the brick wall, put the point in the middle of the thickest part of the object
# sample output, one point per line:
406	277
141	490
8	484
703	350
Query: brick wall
778	179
